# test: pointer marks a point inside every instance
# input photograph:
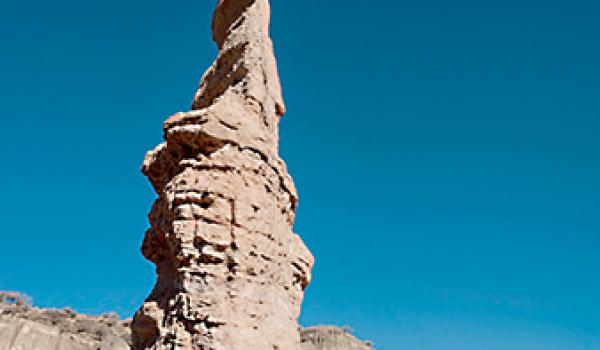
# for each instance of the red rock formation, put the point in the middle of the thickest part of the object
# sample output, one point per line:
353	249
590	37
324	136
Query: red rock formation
230	271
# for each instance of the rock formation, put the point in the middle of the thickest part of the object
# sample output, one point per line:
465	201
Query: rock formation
230	271
23	327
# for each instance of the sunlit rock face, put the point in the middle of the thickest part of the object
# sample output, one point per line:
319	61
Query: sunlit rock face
230	271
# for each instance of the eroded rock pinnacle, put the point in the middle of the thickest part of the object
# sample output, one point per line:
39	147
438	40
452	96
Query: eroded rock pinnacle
230	271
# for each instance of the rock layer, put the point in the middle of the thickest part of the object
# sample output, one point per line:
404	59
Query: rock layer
230	271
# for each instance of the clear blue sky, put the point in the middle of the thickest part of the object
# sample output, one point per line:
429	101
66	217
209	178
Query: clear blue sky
446	155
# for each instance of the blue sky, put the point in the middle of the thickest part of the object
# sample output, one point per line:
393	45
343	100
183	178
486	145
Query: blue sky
446	155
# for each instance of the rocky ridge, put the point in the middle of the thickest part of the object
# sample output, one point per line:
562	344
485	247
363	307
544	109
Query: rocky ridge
331	338
23	327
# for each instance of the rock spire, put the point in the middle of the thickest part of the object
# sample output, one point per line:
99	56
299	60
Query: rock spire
230	271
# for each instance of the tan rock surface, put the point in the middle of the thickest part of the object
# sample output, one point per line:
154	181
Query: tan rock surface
230	271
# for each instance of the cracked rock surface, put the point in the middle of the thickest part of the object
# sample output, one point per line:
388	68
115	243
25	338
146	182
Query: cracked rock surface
230	271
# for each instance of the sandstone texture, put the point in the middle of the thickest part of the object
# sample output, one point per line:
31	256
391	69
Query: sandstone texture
230	271
23	327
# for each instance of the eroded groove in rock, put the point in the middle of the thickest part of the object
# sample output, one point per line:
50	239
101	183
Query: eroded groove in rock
230	271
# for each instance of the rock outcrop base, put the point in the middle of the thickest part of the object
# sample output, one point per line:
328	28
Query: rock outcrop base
23	327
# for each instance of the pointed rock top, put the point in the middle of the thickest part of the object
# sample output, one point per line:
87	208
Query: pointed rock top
245	68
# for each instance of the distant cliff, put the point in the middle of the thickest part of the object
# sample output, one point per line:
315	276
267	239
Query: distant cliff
23	327
331	338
